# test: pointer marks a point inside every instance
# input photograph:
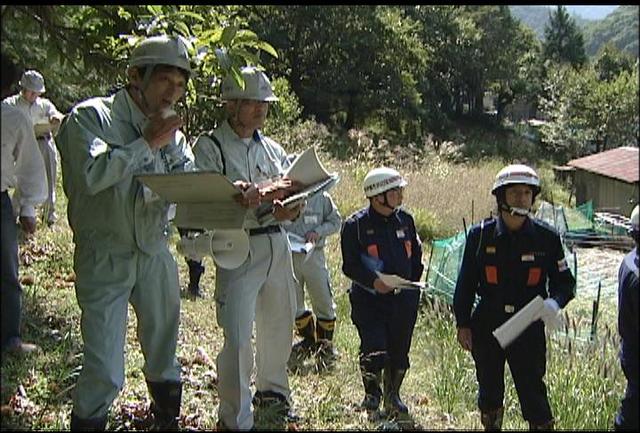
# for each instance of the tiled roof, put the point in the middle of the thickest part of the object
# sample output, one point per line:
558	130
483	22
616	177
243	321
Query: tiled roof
621	163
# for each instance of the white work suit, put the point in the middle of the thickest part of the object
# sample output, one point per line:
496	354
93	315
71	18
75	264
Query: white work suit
41	111
120	229
22	169
262	289
320	215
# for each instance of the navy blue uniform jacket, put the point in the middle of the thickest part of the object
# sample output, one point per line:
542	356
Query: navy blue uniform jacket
390	241
507	270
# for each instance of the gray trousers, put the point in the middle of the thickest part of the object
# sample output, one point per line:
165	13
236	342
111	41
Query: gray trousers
261	289
313	275
107	280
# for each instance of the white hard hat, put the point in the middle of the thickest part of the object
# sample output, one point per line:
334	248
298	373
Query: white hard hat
32	80
516	174
635	215
162	50
257	86
382	179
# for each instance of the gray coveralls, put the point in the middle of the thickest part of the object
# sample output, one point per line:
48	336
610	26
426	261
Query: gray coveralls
321	216
262	289
120	231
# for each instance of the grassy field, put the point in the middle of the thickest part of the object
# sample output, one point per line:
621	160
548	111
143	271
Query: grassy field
584	377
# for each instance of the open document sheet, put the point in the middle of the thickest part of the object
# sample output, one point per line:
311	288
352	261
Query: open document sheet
204	199
398	282
300	245
309	171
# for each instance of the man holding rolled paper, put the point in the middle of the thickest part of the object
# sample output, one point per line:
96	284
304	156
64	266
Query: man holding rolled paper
262	289
509	260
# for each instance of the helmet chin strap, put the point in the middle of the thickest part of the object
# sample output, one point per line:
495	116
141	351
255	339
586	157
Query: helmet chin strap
386	202
515	211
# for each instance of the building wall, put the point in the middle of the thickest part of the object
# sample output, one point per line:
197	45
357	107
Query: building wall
605	192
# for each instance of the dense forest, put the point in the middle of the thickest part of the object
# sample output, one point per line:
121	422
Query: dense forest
405	73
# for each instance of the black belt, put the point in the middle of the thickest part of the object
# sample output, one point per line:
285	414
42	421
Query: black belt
264	230
44	136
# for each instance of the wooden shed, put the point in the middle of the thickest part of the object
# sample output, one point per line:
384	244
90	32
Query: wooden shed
609	178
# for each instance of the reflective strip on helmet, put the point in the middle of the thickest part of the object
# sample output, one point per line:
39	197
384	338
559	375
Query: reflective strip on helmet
523	177
382	183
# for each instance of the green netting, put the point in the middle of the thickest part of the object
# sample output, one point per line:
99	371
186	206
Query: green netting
444	264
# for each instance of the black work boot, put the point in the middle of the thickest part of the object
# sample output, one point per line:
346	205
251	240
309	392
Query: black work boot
372	392
88	424
165	404
272	400
393	405
546	426
492	420
305	328
196	269
326	352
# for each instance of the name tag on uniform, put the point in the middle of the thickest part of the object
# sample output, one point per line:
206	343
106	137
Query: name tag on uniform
311	219
400	233
528	257
490	250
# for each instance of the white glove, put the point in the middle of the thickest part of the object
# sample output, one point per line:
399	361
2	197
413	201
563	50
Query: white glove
551	314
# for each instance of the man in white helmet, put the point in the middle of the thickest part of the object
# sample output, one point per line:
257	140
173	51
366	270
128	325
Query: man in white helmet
509	260
41	111
382	237
22	170
628	311
262	289
120	230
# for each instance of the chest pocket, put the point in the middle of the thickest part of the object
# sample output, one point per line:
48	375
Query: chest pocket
533	268
311	218
489	264
266	168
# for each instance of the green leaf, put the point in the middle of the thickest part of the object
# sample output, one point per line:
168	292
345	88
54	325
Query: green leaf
228	34
154	10
267	47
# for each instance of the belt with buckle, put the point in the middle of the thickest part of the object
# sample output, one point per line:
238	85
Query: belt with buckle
43	137
264	230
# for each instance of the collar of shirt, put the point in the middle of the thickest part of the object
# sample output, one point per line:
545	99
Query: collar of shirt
378	217
227	129
125	109
526	229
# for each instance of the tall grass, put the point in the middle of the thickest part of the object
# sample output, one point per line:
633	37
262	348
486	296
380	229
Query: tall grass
584	378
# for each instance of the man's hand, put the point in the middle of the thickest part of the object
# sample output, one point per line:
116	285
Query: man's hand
28	224
279	189
551	314
160	130
311	236
381	287
250	196
281	213
464	338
